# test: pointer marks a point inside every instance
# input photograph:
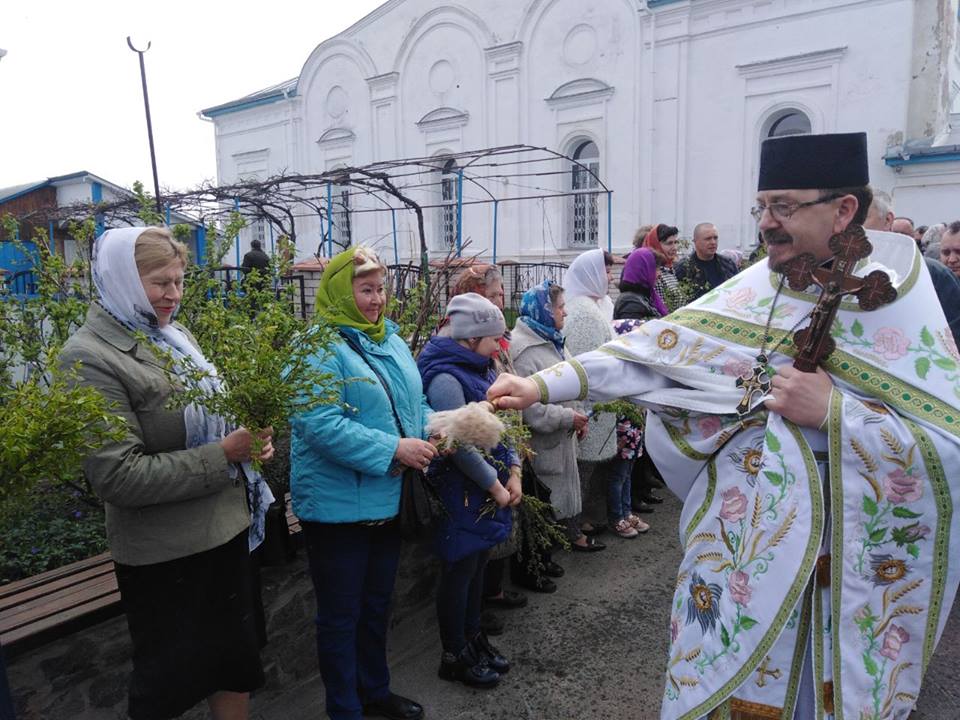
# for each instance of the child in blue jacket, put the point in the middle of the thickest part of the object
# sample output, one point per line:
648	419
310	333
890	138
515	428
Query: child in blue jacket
457	368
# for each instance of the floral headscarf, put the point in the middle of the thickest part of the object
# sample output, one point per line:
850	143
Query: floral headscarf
335	294
536	312
641	270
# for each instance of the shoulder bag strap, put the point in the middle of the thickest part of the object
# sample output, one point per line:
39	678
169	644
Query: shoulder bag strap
355	346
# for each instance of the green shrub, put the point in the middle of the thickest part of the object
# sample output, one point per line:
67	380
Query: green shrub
54	527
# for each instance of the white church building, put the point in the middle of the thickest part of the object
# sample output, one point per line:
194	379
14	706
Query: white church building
662	103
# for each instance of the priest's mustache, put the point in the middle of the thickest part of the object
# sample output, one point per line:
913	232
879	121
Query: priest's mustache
776	236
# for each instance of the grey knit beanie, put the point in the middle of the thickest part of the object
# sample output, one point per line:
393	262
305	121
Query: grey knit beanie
473	316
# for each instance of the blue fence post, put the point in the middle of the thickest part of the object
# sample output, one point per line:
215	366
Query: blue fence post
396	250
201	244
96	195
459	210
271	240
609	221
329	220
53	245
496	204
236	240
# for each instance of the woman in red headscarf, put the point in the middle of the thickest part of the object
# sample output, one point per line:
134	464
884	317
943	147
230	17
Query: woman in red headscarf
664	240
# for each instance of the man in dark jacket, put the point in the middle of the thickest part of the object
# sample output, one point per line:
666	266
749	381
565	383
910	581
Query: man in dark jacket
257	260
704	269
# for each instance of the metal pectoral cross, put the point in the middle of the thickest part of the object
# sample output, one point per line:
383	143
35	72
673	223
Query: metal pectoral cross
757	382
763	673
835	280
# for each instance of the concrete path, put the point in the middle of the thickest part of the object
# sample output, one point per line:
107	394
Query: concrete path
594	649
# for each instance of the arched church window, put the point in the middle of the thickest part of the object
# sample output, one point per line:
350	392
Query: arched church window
787	122
585	200
448	205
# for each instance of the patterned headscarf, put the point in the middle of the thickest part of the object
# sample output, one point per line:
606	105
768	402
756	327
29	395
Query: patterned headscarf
641	270
335	294
122	295
536	312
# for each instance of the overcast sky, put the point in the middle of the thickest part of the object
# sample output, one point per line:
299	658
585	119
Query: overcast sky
70	96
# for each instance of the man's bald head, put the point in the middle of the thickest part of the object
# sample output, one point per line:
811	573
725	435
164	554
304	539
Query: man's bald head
902	225
705	238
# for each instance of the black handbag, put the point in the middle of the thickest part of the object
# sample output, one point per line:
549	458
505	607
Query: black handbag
420	503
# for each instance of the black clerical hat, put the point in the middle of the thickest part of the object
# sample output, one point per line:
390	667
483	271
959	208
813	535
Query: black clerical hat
803	162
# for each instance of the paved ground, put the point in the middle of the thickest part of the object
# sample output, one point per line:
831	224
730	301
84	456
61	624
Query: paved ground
594	649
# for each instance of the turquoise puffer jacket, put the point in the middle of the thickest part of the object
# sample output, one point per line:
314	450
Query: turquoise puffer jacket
341	455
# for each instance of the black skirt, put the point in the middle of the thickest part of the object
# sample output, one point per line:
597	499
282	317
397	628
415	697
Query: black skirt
193	628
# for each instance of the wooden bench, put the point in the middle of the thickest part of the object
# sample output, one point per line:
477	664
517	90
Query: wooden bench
37	609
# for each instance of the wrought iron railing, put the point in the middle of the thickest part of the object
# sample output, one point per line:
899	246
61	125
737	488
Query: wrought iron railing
520	277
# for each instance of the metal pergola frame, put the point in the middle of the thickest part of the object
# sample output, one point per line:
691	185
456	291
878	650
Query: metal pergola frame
408	184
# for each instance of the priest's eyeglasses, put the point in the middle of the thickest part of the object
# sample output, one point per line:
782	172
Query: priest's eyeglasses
784	211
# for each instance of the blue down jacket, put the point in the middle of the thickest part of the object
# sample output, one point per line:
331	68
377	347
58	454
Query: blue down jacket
341	455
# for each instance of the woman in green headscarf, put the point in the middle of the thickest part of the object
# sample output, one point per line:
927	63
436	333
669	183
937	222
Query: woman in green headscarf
346	461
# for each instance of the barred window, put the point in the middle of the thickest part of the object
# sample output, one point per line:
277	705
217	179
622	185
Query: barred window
341	230
448	209
585	201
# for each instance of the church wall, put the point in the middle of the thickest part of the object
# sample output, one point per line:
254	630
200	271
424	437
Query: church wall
928	193
676	101
743	74
257	143
581	77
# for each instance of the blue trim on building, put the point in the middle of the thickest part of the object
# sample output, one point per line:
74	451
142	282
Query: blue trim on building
900	161
245	105
658	3
29	190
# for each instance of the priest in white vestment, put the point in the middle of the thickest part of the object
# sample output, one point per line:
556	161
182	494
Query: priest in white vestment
816	528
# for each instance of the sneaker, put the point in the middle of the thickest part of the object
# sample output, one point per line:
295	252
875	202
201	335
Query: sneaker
625	530
639	525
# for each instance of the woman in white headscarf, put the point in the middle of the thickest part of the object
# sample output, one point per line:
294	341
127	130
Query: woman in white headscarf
587	327
180	520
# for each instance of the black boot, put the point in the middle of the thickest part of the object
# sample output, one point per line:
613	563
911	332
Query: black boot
469	667
394	707
495	659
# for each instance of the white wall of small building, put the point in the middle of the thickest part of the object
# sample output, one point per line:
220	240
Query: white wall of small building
676	99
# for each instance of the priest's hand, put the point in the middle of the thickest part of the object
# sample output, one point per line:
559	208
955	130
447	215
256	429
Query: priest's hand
510	392
801	397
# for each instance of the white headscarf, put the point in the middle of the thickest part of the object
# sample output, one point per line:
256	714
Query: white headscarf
587	277
122	295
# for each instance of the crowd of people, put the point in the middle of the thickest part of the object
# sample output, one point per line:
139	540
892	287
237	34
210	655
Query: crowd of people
181	520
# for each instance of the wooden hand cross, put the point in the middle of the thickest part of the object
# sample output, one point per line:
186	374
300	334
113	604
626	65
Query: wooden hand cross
836	280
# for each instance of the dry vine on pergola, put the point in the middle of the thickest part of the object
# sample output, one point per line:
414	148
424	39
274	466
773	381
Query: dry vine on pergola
489	176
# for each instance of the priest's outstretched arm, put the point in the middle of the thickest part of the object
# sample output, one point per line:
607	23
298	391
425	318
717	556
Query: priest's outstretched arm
598	376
